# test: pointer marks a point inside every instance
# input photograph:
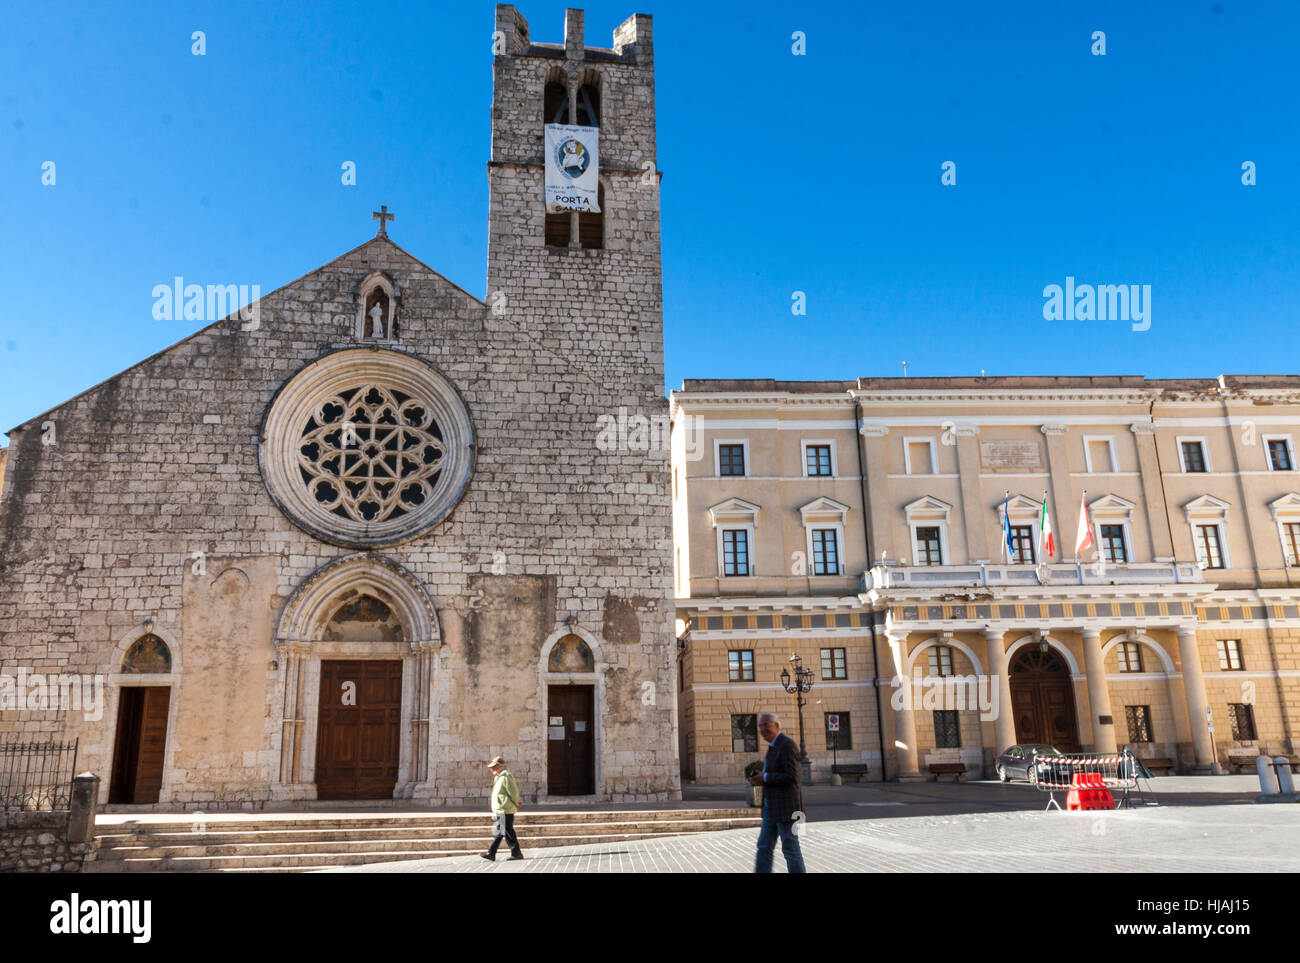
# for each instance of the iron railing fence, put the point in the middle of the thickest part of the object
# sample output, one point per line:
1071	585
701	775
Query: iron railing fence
36	776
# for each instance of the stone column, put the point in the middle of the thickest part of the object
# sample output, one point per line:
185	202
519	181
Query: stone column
293	670
1103	733
904	720
1178	708
1194	686
1004	723
424	655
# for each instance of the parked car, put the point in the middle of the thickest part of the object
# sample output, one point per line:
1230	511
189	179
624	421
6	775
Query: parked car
1018	761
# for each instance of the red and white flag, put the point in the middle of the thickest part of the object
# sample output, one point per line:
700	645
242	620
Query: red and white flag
1085	539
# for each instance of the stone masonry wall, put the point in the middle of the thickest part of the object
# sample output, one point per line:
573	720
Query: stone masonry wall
98	530
37	842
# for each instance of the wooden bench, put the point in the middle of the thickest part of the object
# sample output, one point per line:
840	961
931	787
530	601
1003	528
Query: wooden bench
1165	765
954	769
855	769
1242	760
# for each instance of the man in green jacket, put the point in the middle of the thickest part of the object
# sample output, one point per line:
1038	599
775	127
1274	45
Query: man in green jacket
505	803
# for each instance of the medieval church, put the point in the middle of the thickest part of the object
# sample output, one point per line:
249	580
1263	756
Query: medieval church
356	548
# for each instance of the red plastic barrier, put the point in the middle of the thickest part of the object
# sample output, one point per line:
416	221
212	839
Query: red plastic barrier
1088	791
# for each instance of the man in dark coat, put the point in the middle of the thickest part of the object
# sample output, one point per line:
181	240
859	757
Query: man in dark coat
782	798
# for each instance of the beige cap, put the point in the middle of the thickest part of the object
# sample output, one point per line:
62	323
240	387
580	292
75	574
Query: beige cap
496	761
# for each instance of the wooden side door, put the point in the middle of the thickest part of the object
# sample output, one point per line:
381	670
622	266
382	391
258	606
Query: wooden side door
140	747
570	740
358	737
1027	713
1057	700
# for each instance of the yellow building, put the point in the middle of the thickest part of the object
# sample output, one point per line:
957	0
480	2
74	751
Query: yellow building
864	527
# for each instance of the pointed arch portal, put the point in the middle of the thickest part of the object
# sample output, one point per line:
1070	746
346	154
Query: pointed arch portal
357	642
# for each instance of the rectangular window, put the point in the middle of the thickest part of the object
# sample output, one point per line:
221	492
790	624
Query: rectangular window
1208	550
735	551
1113	548
928	548
920	458
1291	542
1279	455
1229	655
1193	456
1243	722
731	459
940	660
947	733
1022	543
744	733
833	664
1130	657
1099	455
1139	723
740	665
826	554
843	738
817	458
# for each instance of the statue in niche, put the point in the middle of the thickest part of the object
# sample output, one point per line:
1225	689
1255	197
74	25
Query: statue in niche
375	324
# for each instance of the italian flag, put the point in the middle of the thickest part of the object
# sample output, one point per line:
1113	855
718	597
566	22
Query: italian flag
1047	543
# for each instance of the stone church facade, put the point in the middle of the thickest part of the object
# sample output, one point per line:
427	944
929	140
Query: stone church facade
359	545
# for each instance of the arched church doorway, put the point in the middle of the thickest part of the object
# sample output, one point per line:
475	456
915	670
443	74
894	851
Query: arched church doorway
358	735
1042	698
571	717
140	745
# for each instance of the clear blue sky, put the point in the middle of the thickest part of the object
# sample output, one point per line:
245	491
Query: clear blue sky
818	173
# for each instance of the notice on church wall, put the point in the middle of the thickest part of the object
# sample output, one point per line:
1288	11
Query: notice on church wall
1011	456
572	168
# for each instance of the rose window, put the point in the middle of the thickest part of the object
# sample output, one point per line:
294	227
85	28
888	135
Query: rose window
366	448
370	453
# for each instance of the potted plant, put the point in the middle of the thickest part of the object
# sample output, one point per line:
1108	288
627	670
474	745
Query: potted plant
755	792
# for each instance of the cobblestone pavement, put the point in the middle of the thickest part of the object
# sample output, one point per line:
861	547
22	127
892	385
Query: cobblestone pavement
1200	839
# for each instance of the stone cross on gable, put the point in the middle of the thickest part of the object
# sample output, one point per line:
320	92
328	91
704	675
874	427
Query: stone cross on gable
382	216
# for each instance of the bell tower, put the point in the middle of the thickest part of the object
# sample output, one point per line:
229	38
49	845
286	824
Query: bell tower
574	330
588	284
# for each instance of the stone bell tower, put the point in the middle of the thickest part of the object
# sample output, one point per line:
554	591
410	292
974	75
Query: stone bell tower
576	298
589	284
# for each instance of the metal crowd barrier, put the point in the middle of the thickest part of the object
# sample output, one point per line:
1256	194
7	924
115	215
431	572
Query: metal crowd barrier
1089	781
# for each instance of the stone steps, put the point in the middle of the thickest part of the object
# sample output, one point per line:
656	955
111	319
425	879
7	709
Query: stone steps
293	837
301	842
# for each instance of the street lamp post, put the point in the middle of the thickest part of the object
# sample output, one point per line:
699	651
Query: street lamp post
802	682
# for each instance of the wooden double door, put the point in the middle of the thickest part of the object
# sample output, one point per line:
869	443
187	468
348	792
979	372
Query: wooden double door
358	734
1042	700
140	747
570	740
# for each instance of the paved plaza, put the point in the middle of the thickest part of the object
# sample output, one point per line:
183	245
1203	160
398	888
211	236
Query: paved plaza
1202	826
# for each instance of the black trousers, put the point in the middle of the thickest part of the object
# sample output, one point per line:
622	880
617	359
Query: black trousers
505	829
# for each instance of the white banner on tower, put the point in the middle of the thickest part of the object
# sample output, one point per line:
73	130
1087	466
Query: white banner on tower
572	168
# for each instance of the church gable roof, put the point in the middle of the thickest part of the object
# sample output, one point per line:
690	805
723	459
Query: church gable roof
333	282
